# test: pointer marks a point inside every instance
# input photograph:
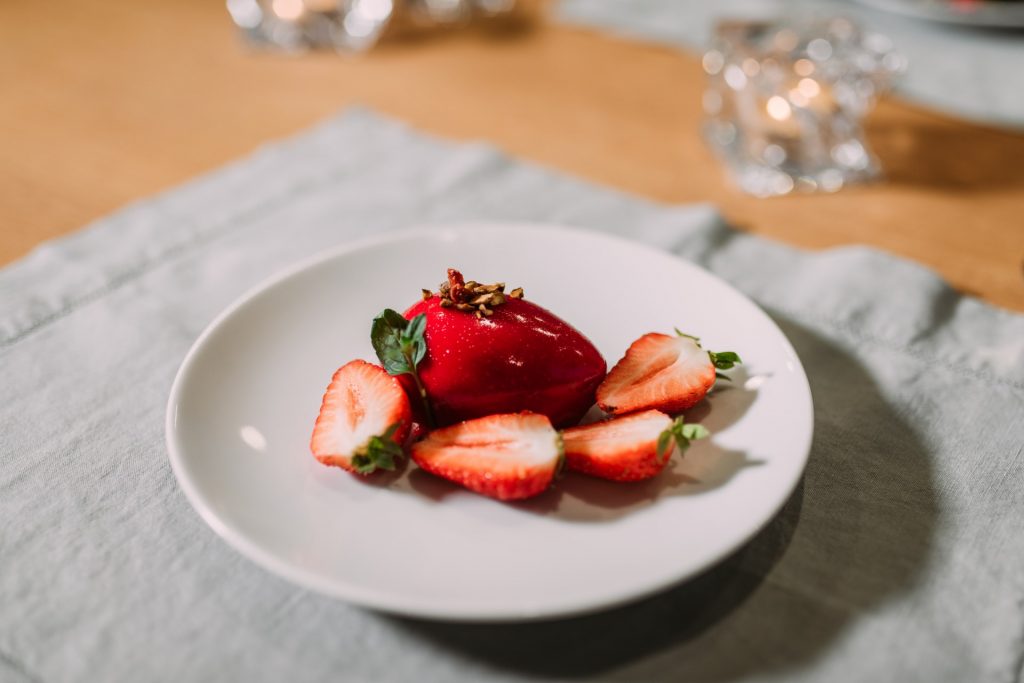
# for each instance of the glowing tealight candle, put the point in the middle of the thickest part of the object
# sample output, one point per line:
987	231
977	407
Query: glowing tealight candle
808	87
778	108
803	67
779	122
289	10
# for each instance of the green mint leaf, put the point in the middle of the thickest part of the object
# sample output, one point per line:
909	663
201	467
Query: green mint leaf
400	345
386	337
723	360
723	377
414	336
394	319
416	327
394	361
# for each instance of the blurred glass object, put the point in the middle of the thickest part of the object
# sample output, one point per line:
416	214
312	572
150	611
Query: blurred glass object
785	100
988	13
350	25
439	11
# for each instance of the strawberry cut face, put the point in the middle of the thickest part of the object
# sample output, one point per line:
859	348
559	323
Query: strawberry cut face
620	449
521	357
508	457
659	372
628	448
363	420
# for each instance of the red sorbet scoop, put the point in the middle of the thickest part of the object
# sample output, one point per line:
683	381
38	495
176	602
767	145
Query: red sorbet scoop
517	357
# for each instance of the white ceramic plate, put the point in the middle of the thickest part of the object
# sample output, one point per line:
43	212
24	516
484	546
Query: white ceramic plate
243	405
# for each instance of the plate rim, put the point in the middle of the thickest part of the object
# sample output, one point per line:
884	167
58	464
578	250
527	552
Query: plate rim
426	609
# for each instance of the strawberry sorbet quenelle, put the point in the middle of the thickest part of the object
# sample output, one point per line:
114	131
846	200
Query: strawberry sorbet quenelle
476	382
490	352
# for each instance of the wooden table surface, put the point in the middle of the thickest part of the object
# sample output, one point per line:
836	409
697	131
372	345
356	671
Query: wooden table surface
107	101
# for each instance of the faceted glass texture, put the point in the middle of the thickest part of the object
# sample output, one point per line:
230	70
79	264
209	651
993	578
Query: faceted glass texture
785	100
349	25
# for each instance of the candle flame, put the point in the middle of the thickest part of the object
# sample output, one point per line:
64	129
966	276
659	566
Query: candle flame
289	10
778	108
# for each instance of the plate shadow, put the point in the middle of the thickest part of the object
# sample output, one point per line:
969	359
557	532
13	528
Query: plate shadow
854	535
580	498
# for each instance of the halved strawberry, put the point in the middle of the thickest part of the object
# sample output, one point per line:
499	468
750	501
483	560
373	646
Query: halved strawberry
363	420
661	372
629	448
508	457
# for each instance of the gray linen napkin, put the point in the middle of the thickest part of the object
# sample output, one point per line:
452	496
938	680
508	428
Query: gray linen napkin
969	72
899	558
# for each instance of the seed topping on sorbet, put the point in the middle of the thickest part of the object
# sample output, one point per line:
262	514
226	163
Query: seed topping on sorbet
472	296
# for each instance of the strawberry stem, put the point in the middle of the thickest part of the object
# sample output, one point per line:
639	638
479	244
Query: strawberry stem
722	360
682	433
428	411
380	453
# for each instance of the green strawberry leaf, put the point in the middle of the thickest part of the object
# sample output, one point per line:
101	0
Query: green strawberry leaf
682	433
723	360
693	431
401	345
380	453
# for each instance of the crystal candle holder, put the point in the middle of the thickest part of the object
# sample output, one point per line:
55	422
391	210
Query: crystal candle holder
785	100
350	25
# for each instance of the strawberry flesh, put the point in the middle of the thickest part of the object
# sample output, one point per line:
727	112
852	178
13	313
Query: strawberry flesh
521	357
658	372
620	449
508	457
362	402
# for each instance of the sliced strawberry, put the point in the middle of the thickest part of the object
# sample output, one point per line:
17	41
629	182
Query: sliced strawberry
508	457
363	421
661	372
629	448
